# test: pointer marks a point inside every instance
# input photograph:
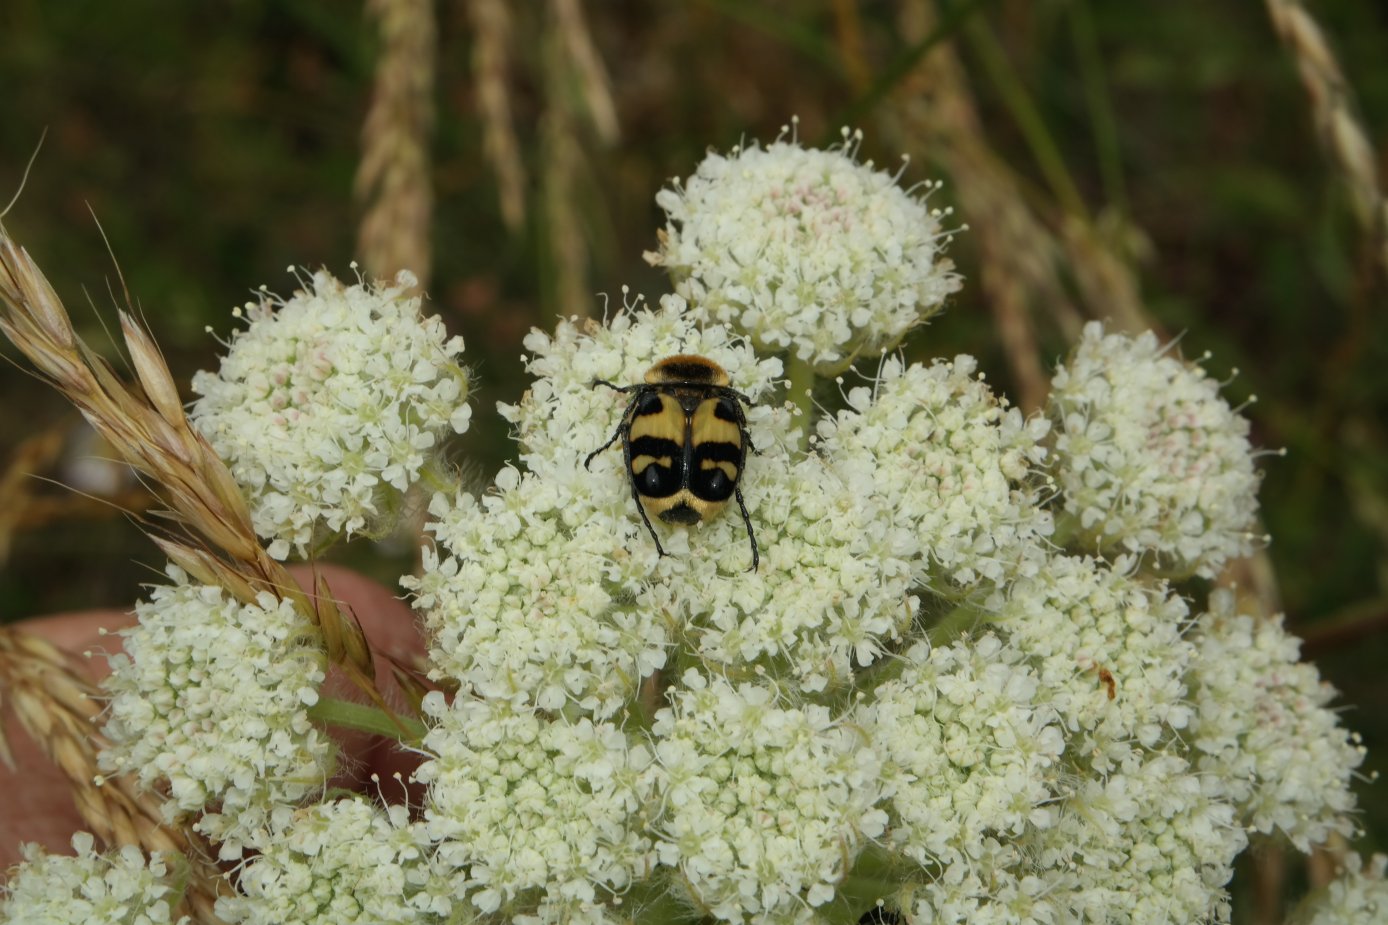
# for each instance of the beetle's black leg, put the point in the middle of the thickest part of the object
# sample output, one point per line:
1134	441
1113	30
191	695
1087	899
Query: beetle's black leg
642	508
615	388
618	432
741	417
613	440
746	519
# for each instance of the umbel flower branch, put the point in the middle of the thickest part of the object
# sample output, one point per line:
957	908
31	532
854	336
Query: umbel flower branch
968	681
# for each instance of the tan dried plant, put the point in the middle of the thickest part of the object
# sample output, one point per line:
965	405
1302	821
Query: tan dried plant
59	709
594	86
1020	258
393	178
1333	112
145	424
491	55
1031	247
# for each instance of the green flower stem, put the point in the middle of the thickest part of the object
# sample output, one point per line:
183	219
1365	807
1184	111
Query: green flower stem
1067	527
1100	104
876	876
1019	103
436	477
661	900
343	713
954	624
801	392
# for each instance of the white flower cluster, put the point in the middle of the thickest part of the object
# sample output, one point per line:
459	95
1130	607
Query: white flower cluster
328	406
548	593
805	250
1110	654
1036	764
518	803
765	803
341	862
209	698
119	887
1263	727
971	743
1147	843
945	471
1358	896
1149	457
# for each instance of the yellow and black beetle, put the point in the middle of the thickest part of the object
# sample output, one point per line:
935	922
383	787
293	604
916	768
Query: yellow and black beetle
684	438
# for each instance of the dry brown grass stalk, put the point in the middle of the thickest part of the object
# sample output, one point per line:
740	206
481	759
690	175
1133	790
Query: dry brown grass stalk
146	425
1025	243
593	83
1018	255
491	26
848	31
562	157
393	177
1333	111
59	709
1105	280
34	455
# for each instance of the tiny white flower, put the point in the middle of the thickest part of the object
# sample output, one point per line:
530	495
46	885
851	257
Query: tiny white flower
765	804
206	698
1358	896
1149	457
1109	651
342	862
518	803
970	745
943	472
805	250
118	887
329	405
1264	731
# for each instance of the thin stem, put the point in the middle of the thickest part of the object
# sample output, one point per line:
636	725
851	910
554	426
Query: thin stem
1067	527
1100	105
1028	118
436	477
954	624
801	392
901	67
348	715
876	875
785	29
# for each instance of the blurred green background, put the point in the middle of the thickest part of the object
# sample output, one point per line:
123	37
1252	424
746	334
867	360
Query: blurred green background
1158	158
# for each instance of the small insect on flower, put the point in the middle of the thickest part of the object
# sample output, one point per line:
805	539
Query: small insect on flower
684	438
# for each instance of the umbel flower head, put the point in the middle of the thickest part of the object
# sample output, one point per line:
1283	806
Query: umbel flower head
121	886
329	405
209	700
804	250
337	863
1263	726
1149	457
1358	896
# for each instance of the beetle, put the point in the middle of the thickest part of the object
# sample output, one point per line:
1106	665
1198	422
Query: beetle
684	439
